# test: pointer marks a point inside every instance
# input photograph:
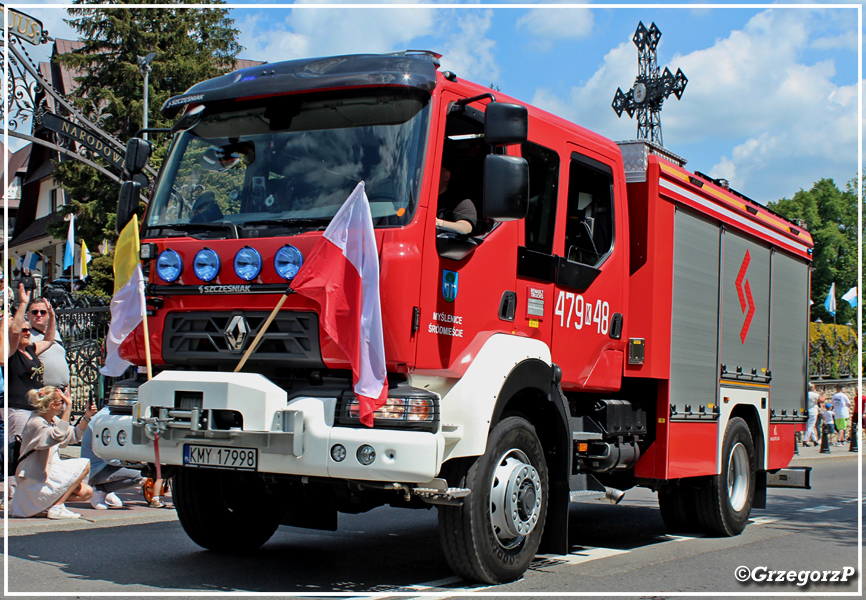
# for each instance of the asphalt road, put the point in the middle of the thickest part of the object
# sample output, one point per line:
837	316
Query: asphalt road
388	551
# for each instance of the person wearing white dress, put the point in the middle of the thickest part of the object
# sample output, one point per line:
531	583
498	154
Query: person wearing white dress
811	425
44	480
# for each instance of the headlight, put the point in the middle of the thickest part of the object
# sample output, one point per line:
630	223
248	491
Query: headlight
248	263
105	437
206	264
122	396
418	411
287	261
169	266
121	437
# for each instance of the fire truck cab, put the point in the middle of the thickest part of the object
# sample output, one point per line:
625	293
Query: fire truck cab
612	320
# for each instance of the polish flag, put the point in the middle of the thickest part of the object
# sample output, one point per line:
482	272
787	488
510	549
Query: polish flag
342	275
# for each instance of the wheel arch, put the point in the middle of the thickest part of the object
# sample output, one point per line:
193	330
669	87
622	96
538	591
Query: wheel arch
531	391
503	369
749	414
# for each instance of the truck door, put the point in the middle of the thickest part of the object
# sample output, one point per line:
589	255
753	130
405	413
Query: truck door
467	280
536	262
588	289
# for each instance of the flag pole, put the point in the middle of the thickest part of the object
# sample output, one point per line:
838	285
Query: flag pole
264	328
147	360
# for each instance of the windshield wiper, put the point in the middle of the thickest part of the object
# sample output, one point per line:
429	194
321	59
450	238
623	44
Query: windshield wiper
224	226
299	221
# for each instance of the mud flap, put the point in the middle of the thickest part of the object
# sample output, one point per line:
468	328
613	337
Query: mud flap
555	538
760	500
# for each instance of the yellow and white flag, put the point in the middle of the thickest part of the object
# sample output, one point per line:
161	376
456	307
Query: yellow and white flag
85	258
127	304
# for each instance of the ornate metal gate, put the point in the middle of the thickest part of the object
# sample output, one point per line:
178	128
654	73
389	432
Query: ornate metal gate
82	332
82	320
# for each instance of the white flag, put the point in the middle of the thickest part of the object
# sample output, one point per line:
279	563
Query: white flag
851	297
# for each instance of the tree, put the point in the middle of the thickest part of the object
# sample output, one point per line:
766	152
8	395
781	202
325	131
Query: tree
192	44
830	215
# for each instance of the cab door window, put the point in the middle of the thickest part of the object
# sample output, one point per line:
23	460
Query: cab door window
461	177
589	230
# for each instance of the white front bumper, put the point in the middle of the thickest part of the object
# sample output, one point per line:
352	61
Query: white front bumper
401	456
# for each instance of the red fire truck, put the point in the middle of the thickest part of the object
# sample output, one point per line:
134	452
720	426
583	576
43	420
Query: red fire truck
612	320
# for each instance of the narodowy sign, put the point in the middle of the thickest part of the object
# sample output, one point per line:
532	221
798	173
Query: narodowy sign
92	140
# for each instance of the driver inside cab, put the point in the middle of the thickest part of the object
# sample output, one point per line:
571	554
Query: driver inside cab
205	209
455	212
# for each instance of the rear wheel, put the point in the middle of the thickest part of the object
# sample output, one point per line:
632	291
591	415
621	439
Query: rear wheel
225	510
725	503
494	535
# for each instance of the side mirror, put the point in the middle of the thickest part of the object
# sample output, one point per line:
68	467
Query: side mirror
505	124
137	153
506	187
127	203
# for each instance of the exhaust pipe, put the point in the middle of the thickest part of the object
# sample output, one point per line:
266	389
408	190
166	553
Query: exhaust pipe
613	495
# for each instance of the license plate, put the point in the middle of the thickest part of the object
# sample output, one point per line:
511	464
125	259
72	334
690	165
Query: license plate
220	457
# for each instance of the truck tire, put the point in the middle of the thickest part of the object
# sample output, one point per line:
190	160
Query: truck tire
677	506
225	511
725	502
494	535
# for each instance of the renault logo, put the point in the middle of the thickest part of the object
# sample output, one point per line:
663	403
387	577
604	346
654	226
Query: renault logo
236	332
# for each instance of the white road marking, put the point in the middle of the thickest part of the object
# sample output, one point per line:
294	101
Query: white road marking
581	556
762	520
435	584
584	554
819	509
682	538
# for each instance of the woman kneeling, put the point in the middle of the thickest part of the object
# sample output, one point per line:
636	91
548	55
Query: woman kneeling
44	481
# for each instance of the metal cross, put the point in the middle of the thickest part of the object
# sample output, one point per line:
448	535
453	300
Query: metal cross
650	88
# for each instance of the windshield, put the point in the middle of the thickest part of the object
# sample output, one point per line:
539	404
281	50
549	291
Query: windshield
291	163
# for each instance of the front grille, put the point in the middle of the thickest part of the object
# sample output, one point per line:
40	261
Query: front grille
200	339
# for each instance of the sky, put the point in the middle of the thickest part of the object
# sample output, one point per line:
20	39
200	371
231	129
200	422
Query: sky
771	103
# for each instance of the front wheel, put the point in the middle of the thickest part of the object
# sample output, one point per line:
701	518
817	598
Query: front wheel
225	511
725	502
494	535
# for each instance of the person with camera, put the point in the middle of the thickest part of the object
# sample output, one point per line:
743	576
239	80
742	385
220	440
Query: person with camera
44	481
24	368
54	357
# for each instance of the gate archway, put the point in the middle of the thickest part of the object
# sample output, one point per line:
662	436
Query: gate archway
27	92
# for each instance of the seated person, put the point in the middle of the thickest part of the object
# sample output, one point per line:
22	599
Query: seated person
106	478
205	209
455	212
